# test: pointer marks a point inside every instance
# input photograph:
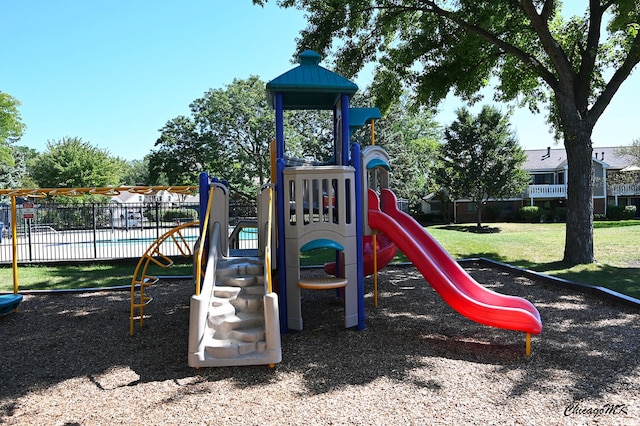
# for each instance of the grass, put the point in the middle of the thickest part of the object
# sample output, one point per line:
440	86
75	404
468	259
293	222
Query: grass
538	247
81	276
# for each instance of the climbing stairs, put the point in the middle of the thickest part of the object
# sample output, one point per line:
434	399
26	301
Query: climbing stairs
154	255
236	331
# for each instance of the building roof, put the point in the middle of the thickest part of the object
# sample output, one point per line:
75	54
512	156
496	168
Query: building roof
545	159
556	158
126	197
310	86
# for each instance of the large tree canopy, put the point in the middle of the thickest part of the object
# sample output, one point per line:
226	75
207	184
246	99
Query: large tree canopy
411	137
229	131
573	66
73	163
18	175
227	135
481	159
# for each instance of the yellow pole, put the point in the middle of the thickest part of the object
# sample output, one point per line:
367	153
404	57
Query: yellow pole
14	243
373	132
528	345
375	271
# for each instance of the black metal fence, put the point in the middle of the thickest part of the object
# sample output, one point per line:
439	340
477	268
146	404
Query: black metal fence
93	231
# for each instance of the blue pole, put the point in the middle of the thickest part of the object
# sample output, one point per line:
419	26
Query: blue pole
204	186
355	162
344	137
337	155
203	183
279	126
280	213
282	267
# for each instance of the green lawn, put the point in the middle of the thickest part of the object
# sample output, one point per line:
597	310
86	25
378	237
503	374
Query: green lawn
106	274
538	247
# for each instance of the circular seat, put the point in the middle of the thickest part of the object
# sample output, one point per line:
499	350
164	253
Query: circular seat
327	283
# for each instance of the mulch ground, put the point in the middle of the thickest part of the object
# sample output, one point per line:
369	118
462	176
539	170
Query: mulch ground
68	359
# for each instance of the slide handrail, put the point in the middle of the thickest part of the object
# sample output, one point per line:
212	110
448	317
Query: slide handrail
234	238
267	250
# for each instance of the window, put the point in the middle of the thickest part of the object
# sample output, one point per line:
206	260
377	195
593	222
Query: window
543	179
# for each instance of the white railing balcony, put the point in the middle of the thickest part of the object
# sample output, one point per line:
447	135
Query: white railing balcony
624	189
546	191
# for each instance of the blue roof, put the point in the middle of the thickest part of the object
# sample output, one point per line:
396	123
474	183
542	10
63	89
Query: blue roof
310	86
358	117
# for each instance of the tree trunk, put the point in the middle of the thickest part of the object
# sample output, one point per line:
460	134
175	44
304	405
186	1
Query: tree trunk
479	214
578	248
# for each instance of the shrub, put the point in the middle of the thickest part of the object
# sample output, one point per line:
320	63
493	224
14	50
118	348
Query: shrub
530	214
630	212
620	212
428	218
183	214
599	216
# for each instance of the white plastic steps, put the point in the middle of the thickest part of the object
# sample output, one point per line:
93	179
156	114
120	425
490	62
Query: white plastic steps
236	316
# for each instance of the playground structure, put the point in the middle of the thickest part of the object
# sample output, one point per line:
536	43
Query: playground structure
240	308
243	301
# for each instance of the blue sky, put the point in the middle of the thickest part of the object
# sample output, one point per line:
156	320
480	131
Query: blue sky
113	73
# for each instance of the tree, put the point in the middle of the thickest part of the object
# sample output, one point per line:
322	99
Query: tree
632	151
411	137
183	152
18	174
73	163
309	134
227	135
136	172
481	159
534	53
11	130
630	175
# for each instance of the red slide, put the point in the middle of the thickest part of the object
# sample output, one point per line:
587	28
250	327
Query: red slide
385	251
449	279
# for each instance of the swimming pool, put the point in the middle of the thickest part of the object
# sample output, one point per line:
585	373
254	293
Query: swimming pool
104	244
